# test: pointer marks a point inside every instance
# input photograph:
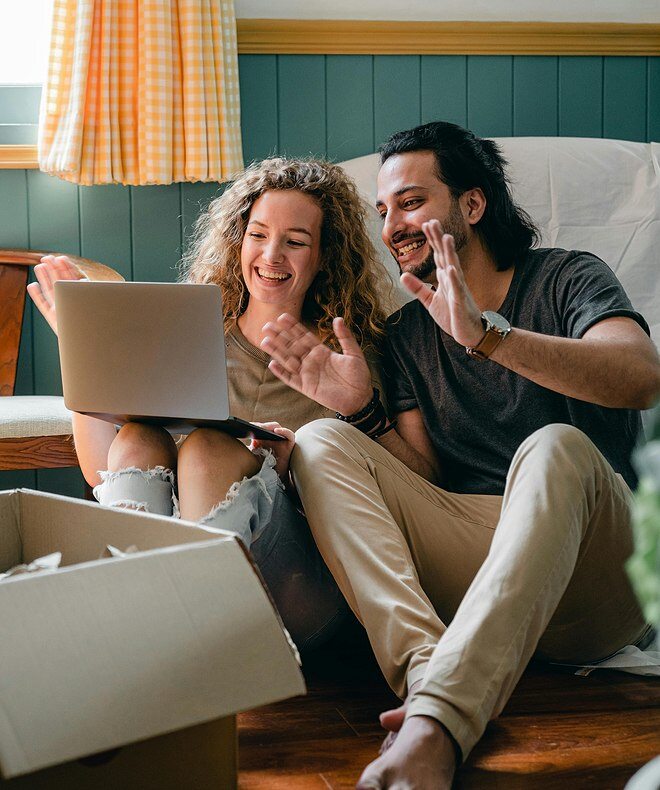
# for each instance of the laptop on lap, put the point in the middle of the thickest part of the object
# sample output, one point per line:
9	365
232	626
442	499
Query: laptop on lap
146	352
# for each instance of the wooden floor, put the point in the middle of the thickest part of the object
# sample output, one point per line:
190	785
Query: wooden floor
558	730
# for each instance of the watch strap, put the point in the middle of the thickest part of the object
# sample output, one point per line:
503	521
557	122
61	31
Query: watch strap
493	336
485	347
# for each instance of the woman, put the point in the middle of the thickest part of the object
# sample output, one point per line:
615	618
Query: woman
286	236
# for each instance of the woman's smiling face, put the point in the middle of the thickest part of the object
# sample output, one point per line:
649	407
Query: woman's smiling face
281	249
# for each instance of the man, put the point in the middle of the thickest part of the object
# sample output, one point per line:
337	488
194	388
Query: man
488	521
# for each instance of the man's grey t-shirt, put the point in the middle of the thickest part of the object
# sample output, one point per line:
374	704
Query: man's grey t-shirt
478	413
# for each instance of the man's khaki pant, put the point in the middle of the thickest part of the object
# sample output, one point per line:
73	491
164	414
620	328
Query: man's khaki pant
460	590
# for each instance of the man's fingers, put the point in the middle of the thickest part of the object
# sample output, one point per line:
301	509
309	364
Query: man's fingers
434	229
456	289
417	288
451	256
433	232
449	248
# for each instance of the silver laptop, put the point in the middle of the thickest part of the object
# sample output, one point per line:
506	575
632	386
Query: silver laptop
146	352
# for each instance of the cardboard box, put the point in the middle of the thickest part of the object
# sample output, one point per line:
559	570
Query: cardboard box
140	661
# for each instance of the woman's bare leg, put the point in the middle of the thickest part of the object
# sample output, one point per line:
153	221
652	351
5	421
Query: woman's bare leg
209	463
140	473
141	446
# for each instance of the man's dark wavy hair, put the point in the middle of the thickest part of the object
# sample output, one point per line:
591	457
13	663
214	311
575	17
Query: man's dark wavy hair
465	161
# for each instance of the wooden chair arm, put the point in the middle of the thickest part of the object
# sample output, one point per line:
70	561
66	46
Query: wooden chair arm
14	268
90	269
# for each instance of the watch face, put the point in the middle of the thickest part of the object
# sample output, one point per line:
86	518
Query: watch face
496	321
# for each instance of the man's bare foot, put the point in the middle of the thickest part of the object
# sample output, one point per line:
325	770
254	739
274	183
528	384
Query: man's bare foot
392	720
422	758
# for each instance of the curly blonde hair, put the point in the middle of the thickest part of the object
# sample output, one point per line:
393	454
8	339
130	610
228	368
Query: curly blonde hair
351	282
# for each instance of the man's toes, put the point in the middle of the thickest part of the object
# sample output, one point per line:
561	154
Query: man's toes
393	719
371	779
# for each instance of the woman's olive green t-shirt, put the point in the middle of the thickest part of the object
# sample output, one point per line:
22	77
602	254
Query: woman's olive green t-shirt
257	395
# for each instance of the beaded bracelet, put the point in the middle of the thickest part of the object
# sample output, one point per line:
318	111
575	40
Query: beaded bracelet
360	415
371	420
383	431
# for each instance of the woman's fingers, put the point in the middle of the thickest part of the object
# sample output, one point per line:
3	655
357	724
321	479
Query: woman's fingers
283	374
37	296
295	333
53	268
283	353
46	308
288	343
280	430
64	267
42	271
348	343
47	272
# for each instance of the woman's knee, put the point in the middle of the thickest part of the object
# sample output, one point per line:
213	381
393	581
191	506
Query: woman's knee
207	448
142	446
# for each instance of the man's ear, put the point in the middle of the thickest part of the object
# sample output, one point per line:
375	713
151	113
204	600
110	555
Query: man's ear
474	205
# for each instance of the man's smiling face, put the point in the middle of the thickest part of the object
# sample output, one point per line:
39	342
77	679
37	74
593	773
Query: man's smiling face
409	194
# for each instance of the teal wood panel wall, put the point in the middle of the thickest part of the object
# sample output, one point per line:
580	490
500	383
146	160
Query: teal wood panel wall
338	106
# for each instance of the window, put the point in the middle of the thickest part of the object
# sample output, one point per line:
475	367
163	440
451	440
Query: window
24	42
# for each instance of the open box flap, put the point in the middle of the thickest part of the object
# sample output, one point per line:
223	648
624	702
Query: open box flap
79	529
105	653
10	541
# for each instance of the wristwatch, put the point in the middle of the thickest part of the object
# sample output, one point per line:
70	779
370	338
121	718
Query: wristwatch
497	328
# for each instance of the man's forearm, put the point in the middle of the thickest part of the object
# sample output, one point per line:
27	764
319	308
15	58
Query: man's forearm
612	373
407	454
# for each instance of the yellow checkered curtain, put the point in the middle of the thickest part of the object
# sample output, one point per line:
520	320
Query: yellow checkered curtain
141	92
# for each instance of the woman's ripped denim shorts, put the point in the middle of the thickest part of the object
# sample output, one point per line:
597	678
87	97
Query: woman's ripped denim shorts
265	518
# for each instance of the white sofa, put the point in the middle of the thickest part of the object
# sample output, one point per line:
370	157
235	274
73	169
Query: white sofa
602	196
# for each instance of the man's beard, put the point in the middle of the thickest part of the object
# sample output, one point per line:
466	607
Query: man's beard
453	224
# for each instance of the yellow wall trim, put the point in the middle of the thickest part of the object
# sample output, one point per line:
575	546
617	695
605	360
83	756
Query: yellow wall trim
361	37
18	157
